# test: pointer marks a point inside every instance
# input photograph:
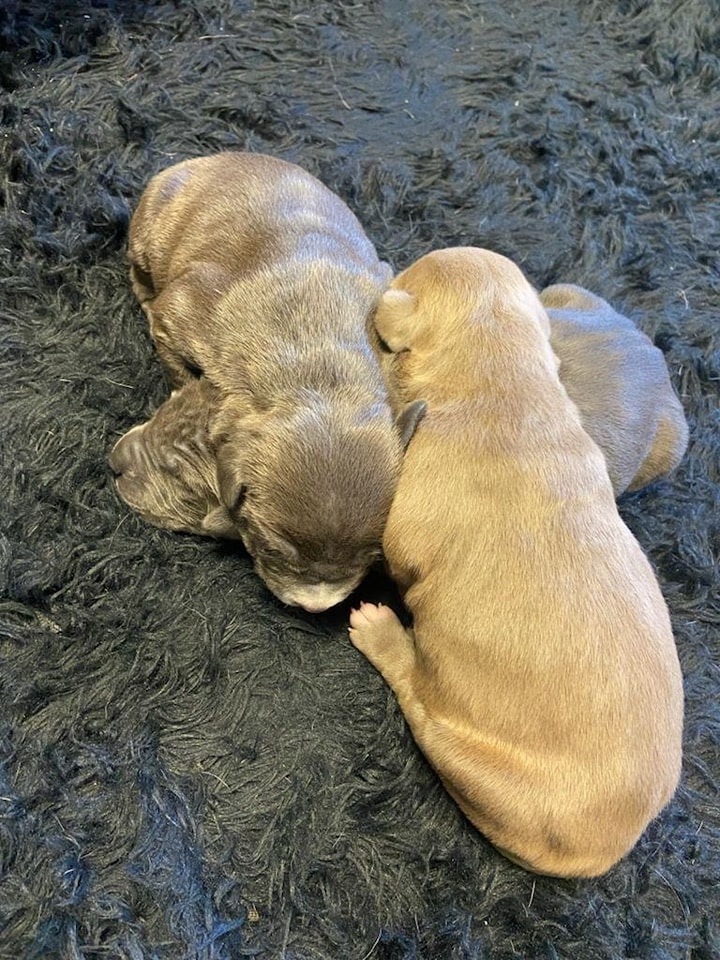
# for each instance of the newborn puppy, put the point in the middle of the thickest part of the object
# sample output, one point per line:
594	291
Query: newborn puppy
540	677
619	382
165	467
257	277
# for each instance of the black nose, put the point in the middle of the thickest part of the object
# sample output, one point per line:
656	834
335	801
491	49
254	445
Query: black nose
126	456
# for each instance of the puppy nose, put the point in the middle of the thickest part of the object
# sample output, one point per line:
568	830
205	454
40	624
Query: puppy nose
126	454
315	606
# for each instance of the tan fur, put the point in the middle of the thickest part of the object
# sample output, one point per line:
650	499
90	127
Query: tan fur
620	385
540	677
255	275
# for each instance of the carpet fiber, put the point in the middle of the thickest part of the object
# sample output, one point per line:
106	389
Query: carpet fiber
188	769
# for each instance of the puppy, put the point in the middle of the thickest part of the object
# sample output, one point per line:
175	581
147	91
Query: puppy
257	277
540	677
619	382
165	468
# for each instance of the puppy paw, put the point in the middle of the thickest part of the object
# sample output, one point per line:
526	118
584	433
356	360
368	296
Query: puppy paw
378	634
370	613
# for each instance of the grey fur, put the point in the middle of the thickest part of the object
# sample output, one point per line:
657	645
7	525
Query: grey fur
620	384
255	275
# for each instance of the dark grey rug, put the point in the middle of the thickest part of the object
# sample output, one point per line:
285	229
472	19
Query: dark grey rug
188	770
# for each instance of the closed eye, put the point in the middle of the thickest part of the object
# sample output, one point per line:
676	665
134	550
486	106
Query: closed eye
382	344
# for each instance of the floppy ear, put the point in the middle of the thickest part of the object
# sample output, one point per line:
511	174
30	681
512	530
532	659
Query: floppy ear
231	493
408	419
230	485
219	523
393	319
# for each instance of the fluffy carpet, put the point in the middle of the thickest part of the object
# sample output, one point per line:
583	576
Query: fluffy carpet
189	770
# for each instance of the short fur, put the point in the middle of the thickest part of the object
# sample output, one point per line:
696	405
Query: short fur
540	678
619	382
611	371
255	275
165	468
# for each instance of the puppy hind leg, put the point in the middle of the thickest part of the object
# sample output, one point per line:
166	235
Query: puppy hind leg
378	634
667	451
142	284
177	370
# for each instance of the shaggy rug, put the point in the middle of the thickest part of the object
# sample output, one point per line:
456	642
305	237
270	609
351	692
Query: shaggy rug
188	769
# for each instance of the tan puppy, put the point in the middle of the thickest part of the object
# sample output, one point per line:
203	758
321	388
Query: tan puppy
255	275
619	382
541	678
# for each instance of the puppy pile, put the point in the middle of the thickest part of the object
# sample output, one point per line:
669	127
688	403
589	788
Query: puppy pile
540	676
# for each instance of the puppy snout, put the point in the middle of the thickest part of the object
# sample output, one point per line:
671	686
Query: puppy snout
315	606
126	455
316	598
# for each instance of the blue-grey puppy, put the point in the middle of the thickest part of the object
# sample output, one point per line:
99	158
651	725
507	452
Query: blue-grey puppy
258	278
619	382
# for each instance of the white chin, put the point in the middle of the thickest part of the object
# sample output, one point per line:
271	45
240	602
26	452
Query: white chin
318	597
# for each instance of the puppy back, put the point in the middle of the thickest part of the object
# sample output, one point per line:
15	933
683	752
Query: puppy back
620	383
240	211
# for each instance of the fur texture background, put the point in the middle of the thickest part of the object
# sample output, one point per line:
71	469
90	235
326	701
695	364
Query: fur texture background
187	769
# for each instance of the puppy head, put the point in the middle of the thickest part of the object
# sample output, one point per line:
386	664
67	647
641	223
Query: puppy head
309	490
164	468
452	305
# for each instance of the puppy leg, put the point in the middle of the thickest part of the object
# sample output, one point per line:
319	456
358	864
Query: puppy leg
170	314
178	370
666	452
390	648
179	317
141	283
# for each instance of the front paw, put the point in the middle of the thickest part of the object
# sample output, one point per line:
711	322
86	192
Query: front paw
378	634
373	627
369	614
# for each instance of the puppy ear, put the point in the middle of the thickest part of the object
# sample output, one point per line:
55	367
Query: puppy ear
281	545
393	319
232	491
408	419
568	296
219	523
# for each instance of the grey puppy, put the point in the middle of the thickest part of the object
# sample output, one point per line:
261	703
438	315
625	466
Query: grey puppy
166	470
619	382
258	278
